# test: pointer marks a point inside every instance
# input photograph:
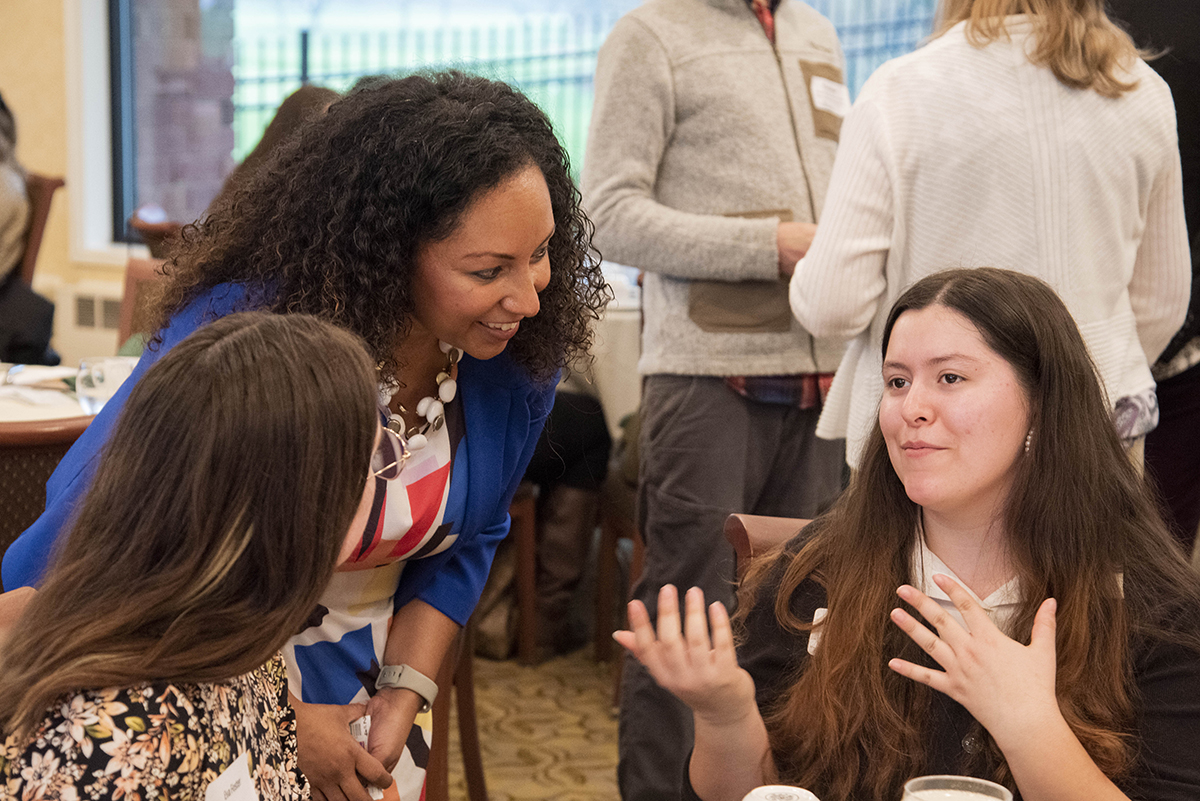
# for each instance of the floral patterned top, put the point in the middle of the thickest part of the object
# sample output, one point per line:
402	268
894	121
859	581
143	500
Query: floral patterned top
158	741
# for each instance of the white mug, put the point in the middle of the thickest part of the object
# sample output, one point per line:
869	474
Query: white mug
954	788
779	792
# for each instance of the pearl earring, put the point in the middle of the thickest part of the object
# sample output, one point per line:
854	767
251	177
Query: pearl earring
1028	439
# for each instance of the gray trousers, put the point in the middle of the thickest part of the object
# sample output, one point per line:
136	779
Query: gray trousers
705	452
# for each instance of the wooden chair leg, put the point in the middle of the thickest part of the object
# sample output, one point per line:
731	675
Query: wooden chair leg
523	513
437	772
635	572
468	726
606	588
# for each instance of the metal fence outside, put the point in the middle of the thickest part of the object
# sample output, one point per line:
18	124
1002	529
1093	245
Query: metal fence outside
552	59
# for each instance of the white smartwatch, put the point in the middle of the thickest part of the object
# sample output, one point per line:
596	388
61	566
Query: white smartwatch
406	677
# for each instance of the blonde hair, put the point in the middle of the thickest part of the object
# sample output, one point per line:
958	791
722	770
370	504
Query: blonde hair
1075	39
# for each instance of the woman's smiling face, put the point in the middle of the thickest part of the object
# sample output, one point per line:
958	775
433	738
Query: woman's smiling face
954	414
473	288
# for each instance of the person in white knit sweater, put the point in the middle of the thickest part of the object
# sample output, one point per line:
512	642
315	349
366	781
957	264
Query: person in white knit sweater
1036	142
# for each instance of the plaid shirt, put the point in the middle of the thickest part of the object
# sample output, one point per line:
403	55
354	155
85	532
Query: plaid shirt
805	391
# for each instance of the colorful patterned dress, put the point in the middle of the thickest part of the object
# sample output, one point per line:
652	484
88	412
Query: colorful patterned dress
337	658
159	741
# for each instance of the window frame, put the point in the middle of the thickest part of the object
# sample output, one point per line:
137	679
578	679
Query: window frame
123	127
89	137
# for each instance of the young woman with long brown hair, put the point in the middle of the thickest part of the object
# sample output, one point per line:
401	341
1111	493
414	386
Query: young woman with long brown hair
147	665
995	494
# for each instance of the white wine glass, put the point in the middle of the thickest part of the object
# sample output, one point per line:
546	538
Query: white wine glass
99	379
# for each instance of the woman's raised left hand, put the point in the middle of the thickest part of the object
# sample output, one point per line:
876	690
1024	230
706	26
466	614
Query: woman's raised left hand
1008	687
700	671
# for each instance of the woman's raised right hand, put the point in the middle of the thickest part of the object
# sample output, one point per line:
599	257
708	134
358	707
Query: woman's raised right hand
334	763
701	672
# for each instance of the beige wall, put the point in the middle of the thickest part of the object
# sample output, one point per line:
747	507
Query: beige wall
33	80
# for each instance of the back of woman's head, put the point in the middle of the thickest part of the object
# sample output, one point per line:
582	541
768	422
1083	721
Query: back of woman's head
215	518
1075	39
333	223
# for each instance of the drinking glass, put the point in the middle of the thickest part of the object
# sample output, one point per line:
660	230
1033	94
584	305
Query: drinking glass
99	379
954	788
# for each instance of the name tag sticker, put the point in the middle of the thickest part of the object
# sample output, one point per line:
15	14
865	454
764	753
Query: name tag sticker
234	784
830	96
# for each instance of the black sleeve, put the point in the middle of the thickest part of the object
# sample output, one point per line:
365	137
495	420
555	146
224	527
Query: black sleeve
1167	676
771	654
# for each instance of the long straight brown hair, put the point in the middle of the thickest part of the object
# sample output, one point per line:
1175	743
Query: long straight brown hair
215	519
1075	39
1078	517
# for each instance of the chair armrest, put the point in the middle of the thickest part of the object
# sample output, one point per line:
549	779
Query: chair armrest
751	535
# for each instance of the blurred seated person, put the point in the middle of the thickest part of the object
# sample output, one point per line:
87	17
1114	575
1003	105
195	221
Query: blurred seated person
147	665
159	233
14	199
1047	632
151	222
26	318
296	109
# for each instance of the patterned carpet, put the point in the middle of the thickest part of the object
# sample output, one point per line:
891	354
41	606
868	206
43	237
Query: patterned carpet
546	732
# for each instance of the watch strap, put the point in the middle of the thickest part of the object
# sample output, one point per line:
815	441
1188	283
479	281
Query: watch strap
406	677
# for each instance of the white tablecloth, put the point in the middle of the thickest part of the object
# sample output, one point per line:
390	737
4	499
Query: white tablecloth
614	372
27	404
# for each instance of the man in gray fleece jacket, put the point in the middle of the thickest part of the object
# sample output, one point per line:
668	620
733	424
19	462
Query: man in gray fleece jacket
712	138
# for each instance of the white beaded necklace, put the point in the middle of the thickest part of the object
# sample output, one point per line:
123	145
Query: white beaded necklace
431	407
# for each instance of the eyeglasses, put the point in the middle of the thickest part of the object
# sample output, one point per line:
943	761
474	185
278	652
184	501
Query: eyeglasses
387	462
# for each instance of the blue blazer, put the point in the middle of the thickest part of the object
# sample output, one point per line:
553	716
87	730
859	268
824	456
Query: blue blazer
503	411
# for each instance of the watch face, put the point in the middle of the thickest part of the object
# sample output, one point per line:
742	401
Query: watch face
389	676
406	678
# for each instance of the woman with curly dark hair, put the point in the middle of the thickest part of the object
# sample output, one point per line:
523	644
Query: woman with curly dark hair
436	218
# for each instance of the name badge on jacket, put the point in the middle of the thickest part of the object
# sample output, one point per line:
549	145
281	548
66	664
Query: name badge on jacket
828	97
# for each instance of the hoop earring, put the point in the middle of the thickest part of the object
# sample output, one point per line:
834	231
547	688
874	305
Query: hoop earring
1028	440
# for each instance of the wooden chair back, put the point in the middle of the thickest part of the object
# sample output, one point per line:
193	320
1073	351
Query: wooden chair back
41	189
158	235
139	275
29	453
752	535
